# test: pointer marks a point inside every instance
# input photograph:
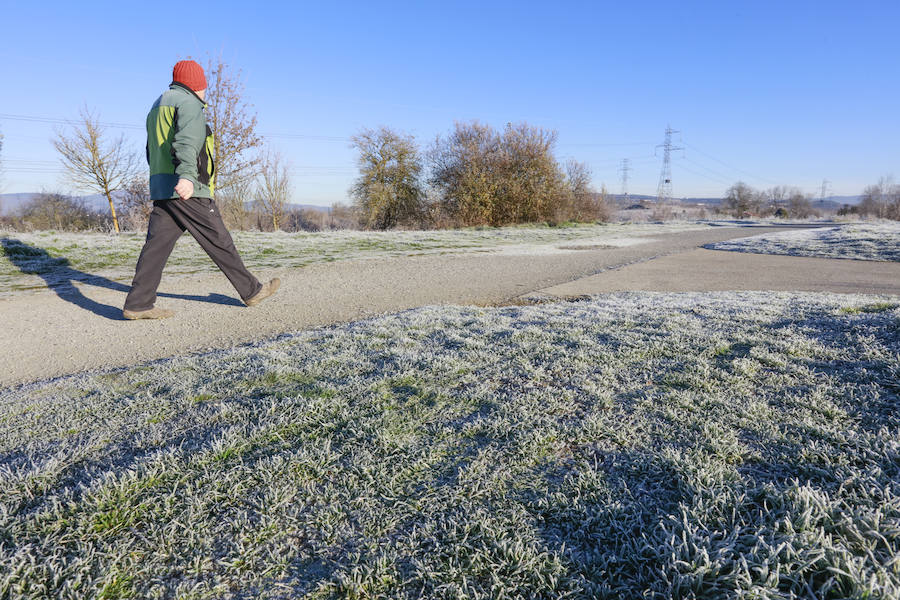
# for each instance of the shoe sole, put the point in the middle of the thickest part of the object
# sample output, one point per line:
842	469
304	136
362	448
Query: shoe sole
134	317
256	300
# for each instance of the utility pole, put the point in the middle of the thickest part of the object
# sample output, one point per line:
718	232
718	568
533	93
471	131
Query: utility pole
625	168
664	189
825	184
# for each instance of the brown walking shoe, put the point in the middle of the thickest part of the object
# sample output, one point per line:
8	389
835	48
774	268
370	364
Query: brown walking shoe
152	313
264	292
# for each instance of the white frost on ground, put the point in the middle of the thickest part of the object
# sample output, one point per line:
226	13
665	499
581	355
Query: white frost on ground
859	241
633	445
595	243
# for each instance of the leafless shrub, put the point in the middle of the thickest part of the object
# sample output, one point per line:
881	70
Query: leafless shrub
662	211
305	219
54	210
342	216
742	200
273	190
881	200
236	204
135	204
800	206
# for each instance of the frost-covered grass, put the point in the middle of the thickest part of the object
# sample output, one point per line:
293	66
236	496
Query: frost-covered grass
730	445
860	241
34	260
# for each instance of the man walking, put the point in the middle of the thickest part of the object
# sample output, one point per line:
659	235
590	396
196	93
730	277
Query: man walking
180	152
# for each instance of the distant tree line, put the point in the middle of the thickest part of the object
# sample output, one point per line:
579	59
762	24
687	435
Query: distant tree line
476	175
743	201
63	212
880	201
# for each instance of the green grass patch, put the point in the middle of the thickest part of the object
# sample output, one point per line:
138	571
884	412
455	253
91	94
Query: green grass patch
875	307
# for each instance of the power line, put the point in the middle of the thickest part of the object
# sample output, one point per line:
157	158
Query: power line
714	173
704	175
304	136
60	121
604	144
694	148
31	161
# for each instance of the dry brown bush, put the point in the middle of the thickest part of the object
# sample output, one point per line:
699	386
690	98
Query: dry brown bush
485	177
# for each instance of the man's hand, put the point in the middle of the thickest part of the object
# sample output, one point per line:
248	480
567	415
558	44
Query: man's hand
184	189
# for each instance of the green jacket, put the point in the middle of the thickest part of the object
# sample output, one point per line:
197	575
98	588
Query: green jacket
179	144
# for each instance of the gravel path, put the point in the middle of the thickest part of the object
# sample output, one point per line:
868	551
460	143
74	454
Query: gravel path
53	333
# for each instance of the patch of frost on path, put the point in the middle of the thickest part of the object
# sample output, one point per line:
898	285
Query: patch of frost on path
857	241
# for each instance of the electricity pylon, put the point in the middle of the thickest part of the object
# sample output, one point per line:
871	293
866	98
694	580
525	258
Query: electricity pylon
664	189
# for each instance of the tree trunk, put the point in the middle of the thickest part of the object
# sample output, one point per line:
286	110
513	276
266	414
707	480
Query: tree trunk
112	209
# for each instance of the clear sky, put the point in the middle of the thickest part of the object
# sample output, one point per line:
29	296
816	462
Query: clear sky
789	92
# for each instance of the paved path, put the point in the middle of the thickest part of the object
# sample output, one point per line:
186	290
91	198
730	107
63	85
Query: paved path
713	270
47	334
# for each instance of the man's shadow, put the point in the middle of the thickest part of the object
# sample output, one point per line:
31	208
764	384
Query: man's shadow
61	278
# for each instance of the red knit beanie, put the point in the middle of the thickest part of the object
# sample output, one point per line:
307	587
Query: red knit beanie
190	74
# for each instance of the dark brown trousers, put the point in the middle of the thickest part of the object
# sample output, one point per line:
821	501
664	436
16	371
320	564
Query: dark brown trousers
169	219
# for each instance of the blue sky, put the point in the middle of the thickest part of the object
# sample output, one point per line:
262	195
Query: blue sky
766	92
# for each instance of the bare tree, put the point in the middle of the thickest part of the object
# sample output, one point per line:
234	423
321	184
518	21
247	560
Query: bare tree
233	124
742	200
799	204
94	163
342	216
234	203
388	191
273	190
578	178
136	204
881	200
603	206
778	196
305	219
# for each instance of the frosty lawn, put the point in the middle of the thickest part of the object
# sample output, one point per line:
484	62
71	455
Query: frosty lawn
638	445
860	241
29	260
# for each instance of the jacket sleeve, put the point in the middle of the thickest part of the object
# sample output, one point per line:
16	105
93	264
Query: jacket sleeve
190	135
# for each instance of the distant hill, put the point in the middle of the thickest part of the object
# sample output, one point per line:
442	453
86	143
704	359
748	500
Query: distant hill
829	203
841	200
324	209
11	203
707	201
